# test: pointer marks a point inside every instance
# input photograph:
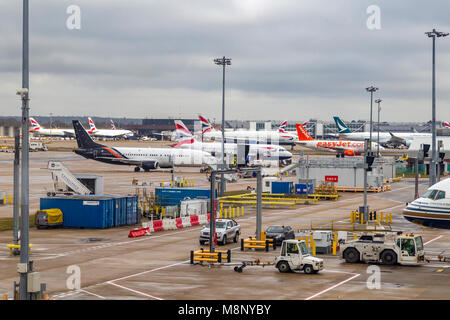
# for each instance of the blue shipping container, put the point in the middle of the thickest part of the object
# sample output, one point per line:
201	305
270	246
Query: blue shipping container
174	196
301	188
94	212
285	187
132	216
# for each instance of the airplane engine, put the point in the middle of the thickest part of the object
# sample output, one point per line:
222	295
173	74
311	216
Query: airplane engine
349	153
150	165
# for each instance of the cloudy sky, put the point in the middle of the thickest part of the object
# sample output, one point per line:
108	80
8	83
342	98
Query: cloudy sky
291	59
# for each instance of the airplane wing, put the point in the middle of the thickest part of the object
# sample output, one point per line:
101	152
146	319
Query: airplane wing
396	140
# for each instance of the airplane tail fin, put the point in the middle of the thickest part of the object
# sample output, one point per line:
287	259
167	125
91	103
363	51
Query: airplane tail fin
84	140
92	127
181	131
445	124
112	125
303	135
206	126
282	127
342	127
34	124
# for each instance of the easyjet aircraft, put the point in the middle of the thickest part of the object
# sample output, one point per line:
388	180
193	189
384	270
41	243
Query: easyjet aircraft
340	147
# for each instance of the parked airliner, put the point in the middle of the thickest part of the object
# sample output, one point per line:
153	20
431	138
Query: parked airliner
145	158
432	209
392	138
108	133
272	137
36	129
255	151
340	147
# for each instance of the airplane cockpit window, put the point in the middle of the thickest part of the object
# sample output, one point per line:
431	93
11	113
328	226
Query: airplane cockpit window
440	195
430	194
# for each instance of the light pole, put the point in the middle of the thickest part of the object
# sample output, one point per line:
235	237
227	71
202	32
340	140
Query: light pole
433	34
223	62
371	89
24	198
378	138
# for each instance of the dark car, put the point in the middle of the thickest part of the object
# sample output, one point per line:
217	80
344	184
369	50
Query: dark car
280	233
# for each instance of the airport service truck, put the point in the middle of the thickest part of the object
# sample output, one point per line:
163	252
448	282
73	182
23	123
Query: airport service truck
386	249
294	256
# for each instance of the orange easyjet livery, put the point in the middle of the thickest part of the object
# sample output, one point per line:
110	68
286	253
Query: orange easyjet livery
340	147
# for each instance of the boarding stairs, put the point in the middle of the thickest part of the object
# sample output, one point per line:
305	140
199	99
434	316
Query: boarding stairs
64	182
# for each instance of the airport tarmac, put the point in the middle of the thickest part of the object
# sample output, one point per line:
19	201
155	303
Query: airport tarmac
156	267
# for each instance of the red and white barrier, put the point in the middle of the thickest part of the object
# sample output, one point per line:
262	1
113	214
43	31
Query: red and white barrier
174	224
139	232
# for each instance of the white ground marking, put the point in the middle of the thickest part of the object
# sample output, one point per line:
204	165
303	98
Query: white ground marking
332	287
434	239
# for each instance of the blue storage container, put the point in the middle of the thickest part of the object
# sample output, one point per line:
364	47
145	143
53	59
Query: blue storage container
96	212
301	188
132	216
174	196
285	187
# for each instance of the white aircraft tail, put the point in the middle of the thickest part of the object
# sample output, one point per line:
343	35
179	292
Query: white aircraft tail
206	126
34	125
92	127
181	131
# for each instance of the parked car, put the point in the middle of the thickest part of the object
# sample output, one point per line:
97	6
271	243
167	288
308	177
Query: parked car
280	233
226	229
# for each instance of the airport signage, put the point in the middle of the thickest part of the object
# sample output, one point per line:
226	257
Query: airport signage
331	178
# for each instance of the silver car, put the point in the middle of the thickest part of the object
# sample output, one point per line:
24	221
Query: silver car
226	229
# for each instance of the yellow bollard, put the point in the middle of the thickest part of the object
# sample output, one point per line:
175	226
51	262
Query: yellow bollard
335	237
237	212
352	217
242	211
334	248
355	236
234	212
313	245
221	208
10	199
390	218
4	199
225	211
362	218
378	218
381	217
263	236
5	297
307	241
163	211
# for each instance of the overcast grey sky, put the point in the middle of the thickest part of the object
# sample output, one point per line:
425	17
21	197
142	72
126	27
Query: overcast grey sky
291	59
